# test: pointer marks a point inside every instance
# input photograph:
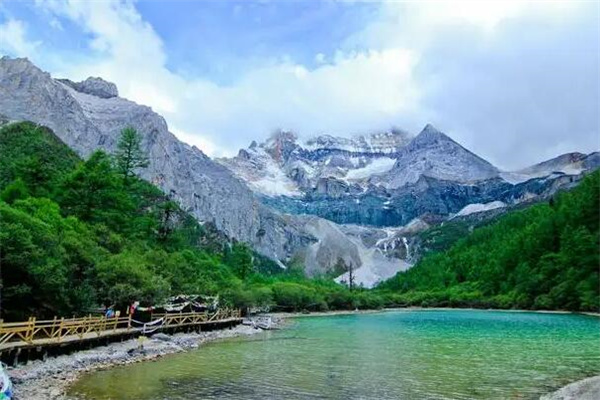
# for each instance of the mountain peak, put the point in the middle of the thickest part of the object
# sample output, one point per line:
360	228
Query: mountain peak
281	144
430	133
20	66
430	128
16	60
282	136
432	153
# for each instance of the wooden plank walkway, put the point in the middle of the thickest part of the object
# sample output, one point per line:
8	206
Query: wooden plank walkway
32	333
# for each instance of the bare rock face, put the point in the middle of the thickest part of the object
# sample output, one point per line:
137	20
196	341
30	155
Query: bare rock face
585	389
95	86
432	153
88	116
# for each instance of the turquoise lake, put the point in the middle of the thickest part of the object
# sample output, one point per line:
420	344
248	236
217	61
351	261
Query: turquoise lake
454	354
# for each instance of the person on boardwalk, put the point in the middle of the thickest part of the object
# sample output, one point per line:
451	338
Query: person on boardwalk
110	312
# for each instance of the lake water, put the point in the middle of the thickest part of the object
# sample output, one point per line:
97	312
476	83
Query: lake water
392	355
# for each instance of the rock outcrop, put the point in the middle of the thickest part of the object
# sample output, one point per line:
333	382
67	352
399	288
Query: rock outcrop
585	389
95	86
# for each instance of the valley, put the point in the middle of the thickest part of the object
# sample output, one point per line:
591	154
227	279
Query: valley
327	204
298	200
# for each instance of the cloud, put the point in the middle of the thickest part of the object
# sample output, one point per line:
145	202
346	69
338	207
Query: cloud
13	38
55	23
526	95
515	81
354	92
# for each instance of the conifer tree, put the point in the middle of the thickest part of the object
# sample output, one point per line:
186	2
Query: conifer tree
129	155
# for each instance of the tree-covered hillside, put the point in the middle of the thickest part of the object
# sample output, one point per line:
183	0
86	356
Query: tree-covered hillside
543	257
76	235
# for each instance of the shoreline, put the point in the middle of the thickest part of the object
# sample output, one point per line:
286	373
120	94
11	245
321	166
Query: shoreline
51	379
285	315
589	313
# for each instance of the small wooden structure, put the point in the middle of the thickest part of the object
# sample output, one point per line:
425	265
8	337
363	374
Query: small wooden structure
34	334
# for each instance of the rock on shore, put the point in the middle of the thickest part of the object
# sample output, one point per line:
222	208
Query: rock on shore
586	389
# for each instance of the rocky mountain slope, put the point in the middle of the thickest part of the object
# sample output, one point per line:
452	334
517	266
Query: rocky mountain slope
93	118
429	176
89	115
567	164
431	153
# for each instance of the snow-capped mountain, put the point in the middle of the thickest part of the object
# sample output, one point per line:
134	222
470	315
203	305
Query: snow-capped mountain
332	166
285	166
384	188
388	179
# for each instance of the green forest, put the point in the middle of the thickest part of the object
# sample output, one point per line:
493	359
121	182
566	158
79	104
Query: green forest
543	257
79	234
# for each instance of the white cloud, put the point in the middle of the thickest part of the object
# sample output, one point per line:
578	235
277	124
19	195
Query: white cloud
199	141
13	39
356	91
55	23
495	75
515	81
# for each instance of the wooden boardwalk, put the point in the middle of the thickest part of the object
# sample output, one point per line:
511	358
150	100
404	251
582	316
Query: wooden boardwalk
39	334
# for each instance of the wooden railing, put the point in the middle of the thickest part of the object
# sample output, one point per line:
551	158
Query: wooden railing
57	330
192	318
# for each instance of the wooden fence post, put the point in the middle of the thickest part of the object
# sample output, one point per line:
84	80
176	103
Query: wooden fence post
60	329
31	329
80	331
53	330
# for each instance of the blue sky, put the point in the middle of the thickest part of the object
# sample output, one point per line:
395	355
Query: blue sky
221	39
515	81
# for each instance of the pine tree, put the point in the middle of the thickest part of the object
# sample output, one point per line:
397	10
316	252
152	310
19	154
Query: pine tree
129	155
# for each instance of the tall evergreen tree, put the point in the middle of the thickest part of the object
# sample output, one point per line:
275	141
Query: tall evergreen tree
129	155
93	192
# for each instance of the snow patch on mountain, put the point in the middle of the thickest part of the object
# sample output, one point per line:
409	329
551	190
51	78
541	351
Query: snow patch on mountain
568	164
262	173
376	167
520	177
479	207
381	142
275	183
379	270
283	165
